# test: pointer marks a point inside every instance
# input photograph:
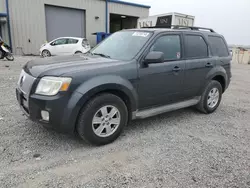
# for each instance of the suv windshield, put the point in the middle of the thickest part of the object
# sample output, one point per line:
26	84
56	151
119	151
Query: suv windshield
123	45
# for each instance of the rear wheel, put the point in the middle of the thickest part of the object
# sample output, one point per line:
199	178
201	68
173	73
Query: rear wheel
1	55
78	52
211	97
46	53
10	57
102	120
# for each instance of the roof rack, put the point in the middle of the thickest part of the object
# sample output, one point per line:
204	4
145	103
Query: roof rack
192	28
152	27
181	27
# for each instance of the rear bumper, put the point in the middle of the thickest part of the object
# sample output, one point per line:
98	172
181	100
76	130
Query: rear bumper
62	109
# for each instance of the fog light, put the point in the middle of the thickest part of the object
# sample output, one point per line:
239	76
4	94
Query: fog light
45	115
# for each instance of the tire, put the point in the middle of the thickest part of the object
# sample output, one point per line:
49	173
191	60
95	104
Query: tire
78	52
1	55
10	57
205	105
86	128
46	53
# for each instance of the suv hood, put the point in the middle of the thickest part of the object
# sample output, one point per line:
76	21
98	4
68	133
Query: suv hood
57	66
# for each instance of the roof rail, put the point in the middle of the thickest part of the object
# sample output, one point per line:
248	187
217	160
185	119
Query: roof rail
180	27
192	28
155	27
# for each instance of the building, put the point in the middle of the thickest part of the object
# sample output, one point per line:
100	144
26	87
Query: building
167	20
27	24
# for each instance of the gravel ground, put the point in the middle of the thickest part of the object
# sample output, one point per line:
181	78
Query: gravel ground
178	149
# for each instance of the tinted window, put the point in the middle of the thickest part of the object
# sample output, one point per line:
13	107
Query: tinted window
60	42
219	47
195	47
170	45
72	41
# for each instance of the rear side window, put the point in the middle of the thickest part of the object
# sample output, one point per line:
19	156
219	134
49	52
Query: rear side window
195	46
72	41
218	46
170	45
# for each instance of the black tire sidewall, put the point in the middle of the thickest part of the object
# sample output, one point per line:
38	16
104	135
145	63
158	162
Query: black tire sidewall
211	85
84	125
12	59
1	55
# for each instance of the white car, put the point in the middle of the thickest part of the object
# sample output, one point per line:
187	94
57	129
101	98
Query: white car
65	46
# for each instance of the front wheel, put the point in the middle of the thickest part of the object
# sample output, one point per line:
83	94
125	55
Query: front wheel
10	57
102	119
46	53
211	97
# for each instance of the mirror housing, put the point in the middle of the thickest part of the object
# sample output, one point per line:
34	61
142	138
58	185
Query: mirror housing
154	57
52	43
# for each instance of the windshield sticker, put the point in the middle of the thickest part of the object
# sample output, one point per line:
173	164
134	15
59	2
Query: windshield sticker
140	34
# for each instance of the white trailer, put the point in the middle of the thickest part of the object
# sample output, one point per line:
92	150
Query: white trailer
166	20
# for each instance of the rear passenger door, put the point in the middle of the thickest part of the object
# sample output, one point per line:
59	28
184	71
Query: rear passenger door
198	63
220	50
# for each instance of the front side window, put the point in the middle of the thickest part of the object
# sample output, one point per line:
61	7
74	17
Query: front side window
60	41
218	45
195	47
170	45
122	45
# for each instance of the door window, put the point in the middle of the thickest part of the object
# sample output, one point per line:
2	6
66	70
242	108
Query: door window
218	45
72	41
170	45
195	47
60	42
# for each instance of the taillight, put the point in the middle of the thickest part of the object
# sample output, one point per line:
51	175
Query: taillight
85	43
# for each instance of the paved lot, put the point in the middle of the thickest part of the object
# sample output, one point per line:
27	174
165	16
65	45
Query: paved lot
178	149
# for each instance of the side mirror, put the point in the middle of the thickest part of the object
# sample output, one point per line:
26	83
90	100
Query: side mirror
52	43
154	57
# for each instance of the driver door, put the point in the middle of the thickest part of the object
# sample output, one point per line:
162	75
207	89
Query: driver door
59	46
161	83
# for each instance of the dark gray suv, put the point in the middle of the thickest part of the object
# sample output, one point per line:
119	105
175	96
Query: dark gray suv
133	74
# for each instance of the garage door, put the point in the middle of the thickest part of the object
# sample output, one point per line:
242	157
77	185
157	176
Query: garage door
62	22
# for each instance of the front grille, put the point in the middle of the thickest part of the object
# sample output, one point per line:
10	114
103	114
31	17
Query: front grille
25	83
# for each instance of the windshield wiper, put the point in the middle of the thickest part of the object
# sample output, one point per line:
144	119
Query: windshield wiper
102	55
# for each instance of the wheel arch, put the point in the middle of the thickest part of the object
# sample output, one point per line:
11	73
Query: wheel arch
219	74
221	80
103	84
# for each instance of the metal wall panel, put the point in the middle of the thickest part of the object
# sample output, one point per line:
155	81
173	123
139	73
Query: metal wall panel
28	25
2	6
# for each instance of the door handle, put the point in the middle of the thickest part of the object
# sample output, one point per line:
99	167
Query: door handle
209	65
176	69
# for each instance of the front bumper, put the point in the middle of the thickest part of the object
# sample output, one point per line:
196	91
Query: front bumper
62	108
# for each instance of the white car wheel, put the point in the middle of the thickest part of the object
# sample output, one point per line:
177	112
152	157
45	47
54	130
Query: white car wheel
46	53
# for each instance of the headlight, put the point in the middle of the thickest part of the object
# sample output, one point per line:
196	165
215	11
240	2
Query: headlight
49	85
